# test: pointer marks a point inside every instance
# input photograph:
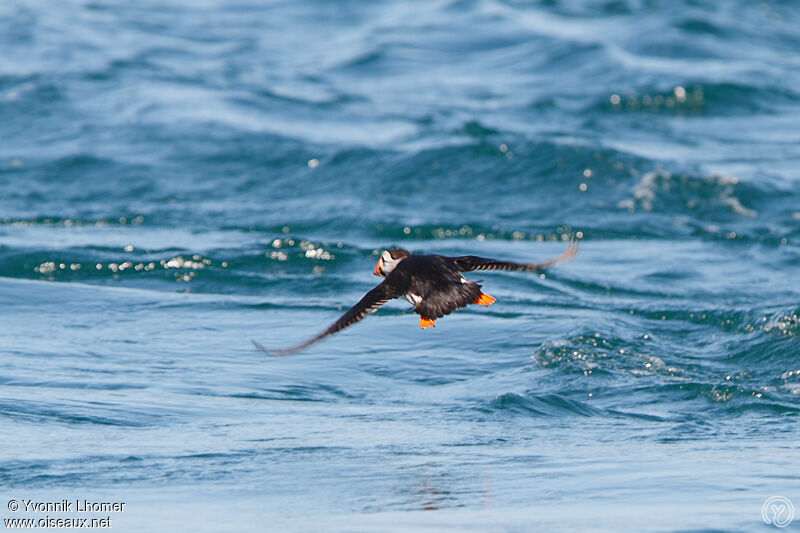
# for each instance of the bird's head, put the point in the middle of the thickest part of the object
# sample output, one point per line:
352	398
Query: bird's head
389	260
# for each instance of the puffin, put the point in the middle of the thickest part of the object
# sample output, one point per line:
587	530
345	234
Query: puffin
433	284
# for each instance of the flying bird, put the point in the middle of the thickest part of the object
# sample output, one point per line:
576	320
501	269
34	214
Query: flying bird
432	283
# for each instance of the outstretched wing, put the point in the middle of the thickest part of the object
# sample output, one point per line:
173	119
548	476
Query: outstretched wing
370	303
468	263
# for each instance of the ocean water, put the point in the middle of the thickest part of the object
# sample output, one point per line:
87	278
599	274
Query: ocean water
180	177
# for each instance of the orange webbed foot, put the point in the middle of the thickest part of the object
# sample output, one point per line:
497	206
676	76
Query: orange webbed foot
426	322
485	299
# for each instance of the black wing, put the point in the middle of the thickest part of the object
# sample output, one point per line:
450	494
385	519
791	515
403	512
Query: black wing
468	263
370	303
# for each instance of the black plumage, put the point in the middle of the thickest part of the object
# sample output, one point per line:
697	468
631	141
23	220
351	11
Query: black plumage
437	282
432	283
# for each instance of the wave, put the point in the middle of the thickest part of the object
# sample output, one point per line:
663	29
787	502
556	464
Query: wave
541	405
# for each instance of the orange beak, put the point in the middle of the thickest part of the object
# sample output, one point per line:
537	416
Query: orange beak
379	268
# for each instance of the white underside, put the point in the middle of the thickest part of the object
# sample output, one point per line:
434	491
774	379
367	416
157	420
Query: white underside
415	299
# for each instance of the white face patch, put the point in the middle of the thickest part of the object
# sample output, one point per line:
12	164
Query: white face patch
388	263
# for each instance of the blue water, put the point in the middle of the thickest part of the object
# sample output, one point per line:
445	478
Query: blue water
179	177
